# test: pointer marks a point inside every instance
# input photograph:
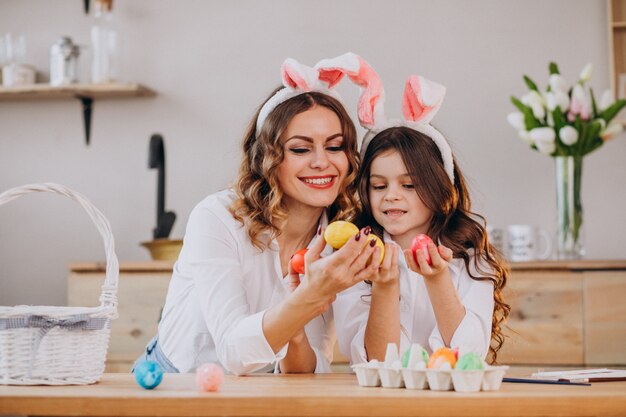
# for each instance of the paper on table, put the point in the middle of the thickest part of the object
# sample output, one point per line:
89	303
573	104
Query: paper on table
583	375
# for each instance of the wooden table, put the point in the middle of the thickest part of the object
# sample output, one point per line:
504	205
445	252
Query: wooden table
306	395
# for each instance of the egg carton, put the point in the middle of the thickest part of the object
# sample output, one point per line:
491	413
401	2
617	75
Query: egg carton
376	375
391	374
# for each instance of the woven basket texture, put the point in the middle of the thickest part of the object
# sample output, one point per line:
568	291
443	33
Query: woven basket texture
41	345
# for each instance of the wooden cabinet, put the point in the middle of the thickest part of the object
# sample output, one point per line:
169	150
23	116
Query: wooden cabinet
617	45
141	294
562	313
566	313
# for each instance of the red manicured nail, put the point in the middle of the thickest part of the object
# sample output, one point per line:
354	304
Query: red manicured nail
373	242
367	230
358	236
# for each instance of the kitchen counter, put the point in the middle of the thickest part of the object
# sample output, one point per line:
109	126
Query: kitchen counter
306	395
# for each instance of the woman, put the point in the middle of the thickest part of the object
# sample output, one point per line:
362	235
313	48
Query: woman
232	298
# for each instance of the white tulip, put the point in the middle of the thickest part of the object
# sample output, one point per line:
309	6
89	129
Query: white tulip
532	97
516	119
611	130
602	123
558	98
550	119
542	134
568	135
562	100
557	83
585	74
546	148
538	110
606	100
534	100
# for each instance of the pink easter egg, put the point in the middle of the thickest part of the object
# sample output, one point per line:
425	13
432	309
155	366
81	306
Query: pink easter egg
209	377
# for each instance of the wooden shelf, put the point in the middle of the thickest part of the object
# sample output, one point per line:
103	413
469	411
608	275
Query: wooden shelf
86	93
93	91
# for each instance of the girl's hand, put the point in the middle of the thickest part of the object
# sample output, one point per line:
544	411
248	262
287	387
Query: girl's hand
388	273
440	258
329	275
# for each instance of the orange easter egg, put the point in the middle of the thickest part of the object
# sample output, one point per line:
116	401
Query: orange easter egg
441	356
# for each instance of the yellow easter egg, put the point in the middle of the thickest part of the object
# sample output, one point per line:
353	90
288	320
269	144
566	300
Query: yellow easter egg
339	232
380	244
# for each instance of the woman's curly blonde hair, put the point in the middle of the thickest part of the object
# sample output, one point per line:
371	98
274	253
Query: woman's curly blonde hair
259	205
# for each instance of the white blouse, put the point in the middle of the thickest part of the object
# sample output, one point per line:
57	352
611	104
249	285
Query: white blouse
220	289
417	318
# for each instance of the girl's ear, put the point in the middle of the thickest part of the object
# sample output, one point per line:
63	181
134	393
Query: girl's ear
371	103
422	99
297	75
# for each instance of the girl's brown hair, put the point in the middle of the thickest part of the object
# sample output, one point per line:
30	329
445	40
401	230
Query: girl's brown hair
453	223
260	204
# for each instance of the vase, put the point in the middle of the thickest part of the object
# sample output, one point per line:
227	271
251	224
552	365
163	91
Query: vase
570	239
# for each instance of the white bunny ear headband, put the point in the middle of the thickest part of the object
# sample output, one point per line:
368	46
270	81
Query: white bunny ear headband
421	101
300	79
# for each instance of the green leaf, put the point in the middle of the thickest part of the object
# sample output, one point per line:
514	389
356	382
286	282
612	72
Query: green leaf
559	118
611	111
593	138
594	107
529	118
530	83
554	69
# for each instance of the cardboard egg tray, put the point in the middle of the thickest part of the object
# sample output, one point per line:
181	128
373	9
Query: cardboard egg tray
376	375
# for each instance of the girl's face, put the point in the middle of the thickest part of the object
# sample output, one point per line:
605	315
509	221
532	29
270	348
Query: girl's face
315	164
394	201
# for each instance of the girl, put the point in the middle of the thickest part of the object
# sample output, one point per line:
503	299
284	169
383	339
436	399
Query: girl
228	300
409	184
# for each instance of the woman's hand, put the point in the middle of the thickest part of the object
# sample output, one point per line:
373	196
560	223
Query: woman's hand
440	258
327	276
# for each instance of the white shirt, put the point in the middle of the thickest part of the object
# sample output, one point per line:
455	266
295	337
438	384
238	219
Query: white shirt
417	318
220	289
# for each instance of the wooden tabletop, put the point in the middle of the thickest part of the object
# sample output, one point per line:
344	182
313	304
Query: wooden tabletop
577	265
306	395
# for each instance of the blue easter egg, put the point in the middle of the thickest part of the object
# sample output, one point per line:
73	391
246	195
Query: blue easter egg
148	374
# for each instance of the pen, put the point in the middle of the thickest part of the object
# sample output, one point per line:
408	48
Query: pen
543	381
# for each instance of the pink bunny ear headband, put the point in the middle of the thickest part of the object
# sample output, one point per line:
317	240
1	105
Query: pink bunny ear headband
299	79
422	99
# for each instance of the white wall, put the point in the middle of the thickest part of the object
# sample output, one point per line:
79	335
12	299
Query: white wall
212	62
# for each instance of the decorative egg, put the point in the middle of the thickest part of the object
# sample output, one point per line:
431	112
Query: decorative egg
470	362
440	357
148	374
420	243
209	377
297	261
339	232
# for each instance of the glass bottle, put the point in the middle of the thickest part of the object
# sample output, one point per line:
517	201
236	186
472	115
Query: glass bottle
104	44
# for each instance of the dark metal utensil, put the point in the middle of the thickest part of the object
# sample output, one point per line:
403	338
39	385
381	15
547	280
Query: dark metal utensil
156	159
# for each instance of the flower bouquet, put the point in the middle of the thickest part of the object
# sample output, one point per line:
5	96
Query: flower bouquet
566	123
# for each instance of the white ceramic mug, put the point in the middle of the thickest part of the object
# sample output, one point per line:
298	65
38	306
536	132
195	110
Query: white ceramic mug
496	237
523	243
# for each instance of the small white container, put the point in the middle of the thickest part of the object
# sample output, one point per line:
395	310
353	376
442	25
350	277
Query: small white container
493	377
439	379
391	377
467	381
367	375
415	378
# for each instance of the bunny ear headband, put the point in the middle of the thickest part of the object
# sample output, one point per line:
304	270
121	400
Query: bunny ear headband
300	79
421	101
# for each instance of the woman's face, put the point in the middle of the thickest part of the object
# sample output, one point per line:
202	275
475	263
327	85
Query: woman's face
394	201
315	164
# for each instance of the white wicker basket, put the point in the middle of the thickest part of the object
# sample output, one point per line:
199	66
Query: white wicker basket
59	345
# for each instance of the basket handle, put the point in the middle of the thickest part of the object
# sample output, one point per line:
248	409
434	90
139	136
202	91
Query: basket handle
108	297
